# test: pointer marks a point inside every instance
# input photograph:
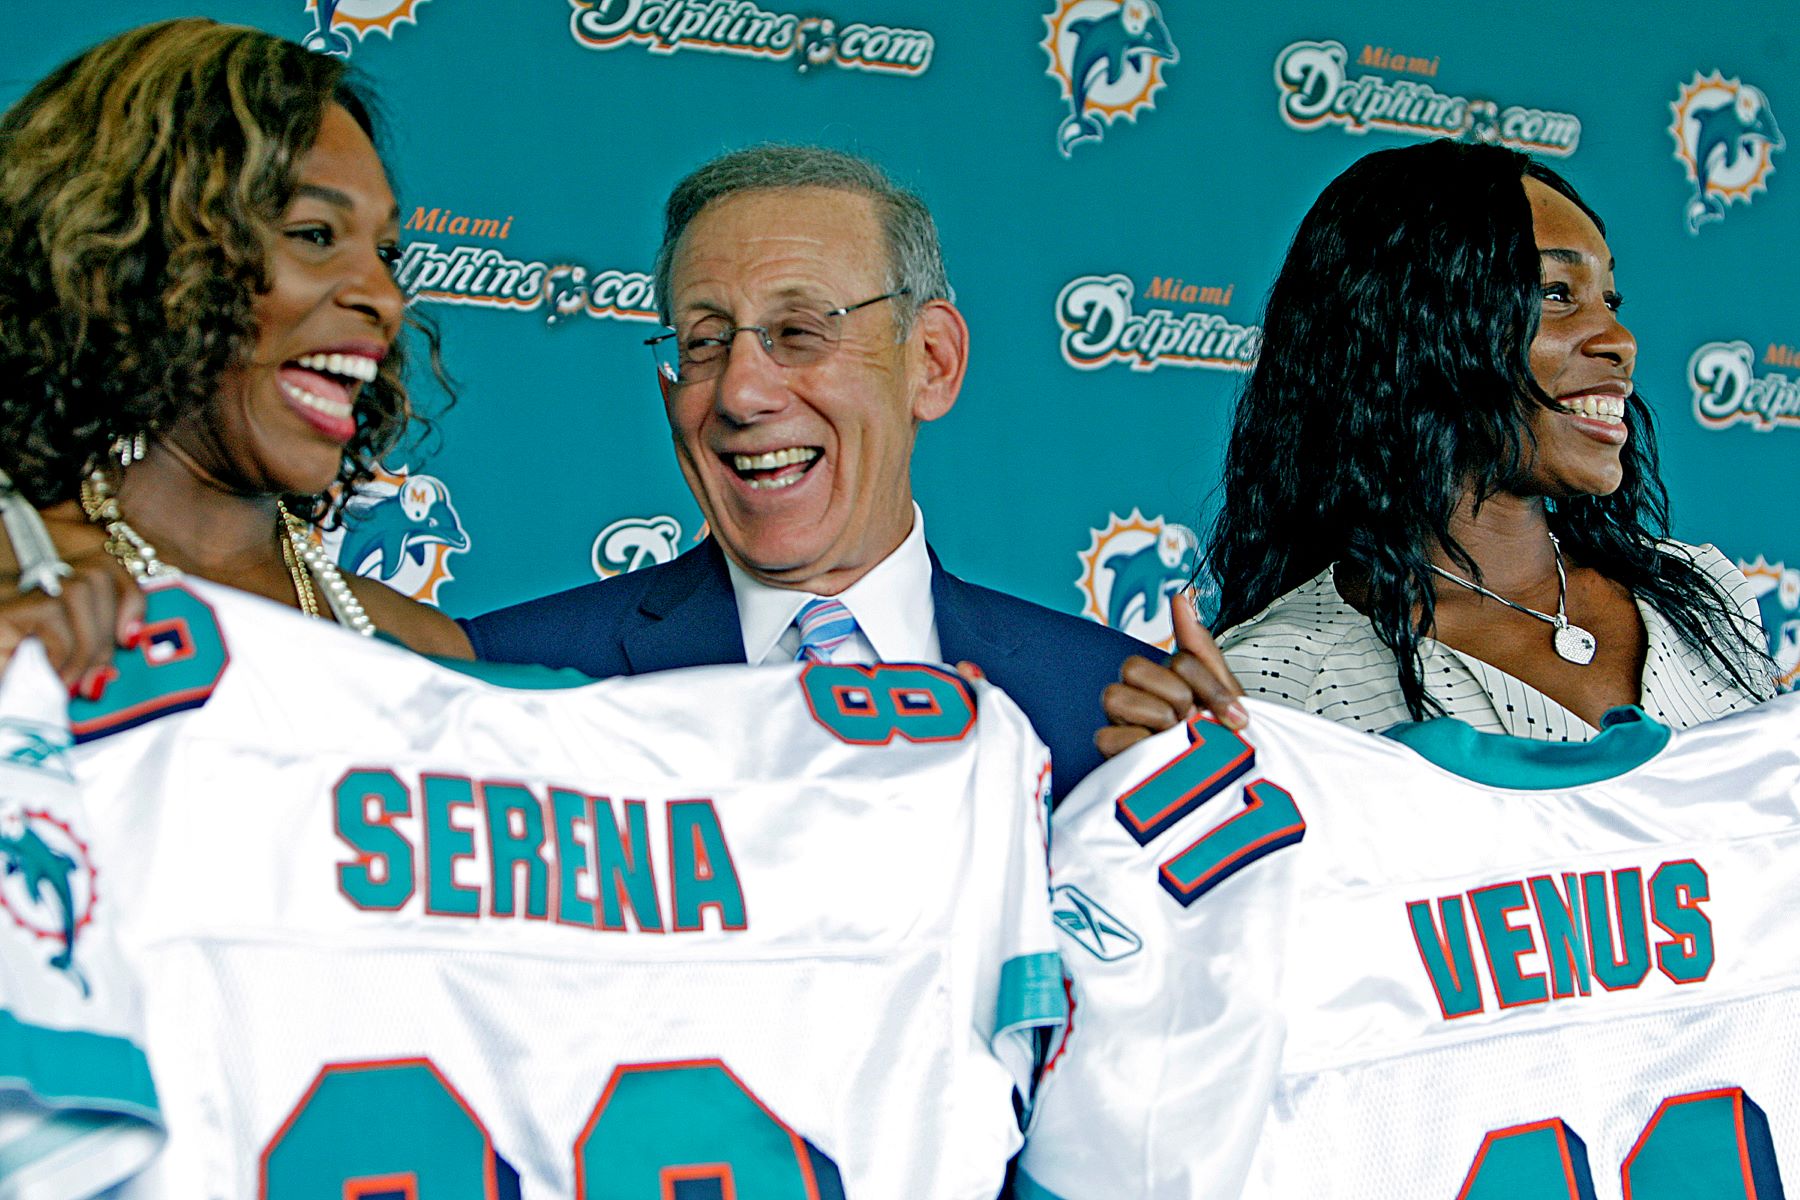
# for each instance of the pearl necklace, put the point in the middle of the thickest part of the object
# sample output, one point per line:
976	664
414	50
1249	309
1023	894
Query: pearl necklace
1571	642
307	565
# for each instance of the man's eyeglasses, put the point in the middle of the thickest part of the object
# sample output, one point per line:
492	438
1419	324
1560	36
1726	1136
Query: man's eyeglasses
796	338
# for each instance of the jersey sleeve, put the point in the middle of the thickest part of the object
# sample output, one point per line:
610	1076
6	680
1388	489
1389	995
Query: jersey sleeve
1171	916
78	1112
1022	1005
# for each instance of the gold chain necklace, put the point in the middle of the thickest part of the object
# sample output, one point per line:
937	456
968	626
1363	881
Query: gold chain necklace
307	565
303	587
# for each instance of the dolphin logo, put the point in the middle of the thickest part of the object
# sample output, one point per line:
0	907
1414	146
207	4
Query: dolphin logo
1725	133
385	534
43	868
1141	578
1107	50
324	39
1777	589
631	543
336	21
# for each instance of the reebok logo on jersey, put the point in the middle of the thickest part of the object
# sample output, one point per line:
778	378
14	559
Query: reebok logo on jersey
1098	931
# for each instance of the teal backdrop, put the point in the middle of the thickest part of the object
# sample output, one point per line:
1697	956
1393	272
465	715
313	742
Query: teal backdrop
1111	261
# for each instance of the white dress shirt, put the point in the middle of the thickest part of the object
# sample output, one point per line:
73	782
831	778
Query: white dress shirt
896	620
1311	650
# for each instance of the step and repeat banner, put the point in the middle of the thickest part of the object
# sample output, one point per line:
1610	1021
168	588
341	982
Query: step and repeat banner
1115	182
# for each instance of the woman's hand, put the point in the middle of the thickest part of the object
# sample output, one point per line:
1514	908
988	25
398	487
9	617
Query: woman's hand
101	606
1150	698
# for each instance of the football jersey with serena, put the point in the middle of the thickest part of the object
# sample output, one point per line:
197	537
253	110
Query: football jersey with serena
399	930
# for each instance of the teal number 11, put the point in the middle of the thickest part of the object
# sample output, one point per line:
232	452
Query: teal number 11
1711	1145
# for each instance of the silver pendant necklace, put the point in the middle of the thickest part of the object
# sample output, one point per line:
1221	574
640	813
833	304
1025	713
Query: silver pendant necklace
1571	642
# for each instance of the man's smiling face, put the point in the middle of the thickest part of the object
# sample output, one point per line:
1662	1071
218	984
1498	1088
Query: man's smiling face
802	472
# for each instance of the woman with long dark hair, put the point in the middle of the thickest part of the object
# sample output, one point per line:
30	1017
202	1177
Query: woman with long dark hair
1442	494
199	327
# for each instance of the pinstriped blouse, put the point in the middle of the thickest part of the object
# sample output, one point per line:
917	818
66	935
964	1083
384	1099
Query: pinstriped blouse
1310	650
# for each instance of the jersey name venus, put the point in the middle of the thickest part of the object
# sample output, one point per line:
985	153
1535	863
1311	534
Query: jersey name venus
1465	966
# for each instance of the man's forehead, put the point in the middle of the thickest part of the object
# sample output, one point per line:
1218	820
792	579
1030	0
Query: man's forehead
767	230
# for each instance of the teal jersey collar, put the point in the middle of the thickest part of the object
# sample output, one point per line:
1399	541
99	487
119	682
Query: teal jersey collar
1627	739
519	677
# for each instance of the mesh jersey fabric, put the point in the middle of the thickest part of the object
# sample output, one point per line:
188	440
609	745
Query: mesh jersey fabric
1414	985
399	926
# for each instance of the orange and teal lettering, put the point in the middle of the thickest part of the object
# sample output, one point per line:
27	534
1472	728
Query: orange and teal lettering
1504	943
445	843
1565	934
381	877
873	705
1215	756
174	667
701	872
1270	820
627	878
572	858
509	850
1621	962
1676	891
1447	954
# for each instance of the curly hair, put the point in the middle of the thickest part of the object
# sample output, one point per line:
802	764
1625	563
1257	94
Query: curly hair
1394	378
138	185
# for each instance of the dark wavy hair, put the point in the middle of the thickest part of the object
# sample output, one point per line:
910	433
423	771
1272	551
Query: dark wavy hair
1394	375
138	185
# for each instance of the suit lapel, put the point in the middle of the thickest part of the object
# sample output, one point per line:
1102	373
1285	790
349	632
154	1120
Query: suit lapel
687	618
966	628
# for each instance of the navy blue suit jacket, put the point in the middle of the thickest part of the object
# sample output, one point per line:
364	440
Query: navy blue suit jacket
684	614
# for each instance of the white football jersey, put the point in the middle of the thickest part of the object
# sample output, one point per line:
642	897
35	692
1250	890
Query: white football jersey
1311	962
730	931
77	1109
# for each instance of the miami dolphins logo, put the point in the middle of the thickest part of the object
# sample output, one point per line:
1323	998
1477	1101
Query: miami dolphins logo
632	543
1109	56
335	20
402	529
46	882
1132	569
1726	137
1777	589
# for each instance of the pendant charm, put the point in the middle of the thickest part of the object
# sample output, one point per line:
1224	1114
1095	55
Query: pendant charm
1574	644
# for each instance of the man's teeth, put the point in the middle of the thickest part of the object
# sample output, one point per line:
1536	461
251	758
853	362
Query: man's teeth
777	461
1610	407
351	366
331	408
774	458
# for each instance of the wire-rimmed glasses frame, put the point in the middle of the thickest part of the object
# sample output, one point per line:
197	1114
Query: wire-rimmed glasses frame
800	339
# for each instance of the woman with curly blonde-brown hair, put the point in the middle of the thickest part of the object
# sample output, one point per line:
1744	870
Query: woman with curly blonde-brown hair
198	328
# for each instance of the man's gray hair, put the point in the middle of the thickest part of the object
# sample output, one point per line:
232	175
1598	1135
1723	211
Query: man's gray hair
915	260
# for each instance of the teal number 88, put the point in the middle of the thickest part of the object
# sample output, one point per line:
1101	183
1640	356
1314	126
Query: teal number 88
660	1131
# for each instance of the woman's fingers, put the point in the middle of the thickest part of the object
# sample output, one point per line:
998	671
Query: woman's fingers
100	606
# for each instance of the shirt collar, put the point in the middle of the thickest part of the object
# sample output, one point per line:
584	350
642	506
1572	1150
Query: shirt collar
891	603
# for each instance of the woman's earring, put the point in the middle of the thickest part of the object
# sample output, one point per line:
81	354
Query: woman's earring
128	449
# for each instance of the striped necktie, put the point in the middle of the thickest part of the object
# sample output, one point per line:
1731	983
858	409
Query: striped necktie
824	626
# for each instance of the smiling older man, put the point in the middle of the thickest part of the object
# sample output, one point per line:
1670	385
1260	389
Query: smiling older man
811	332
